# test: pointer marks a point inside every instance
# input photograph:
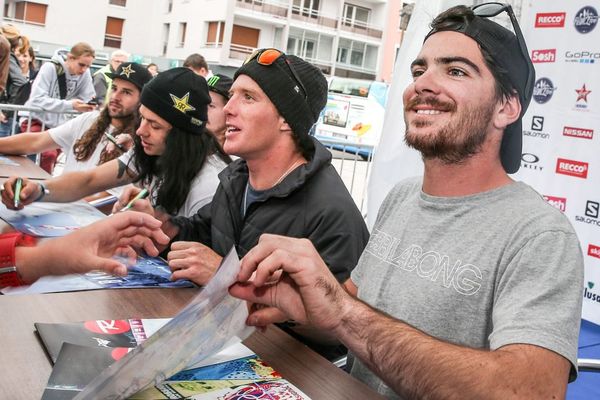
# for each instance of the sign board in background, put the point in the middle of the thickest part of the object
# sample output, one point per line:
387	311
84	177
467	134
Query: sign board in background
561	129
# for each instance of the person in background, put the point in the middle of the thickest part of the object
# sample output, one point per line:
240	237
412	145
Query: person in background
85	139
174	156
63	84
15	81
470	285
197	63
153	69
27	63
102	80
218	86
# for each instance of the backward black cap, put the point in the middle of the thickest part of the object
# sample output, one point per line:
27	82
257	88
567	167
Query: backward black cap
180	97
283	91
503	47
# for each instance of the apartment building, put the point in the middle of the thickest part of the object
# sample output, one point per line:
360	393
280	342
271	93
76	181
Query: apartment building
342	37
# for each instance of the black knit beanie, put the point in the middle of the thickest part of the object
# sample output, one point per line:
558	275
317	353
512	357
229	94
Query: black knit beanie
220	84
279	84
180	97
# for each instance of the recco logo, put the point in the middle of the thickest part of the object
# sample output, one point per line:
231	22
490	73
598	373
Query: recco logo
550	20
578	132
593	251
543	56
572	168
558	202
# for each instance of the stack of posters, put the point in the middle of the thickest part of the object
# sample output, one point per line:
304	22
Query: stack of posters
190	342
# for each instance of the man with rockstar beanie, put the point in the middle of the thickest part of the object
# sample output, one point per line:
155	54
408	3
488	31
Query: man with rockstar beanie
174	157
283	182
86	139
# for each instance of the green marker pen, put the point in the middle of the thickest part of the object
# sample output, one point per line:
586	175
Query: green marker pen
18	185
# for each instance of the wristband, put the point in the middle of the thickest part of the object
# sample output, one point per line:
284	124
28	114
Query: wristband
9	276
43	191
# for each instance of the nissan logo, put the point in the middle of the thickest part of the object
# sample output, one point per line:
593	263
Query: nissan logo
529	158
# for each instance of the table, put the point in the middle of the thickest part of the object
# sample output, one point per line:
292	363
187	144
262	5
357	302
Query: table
25	368
26	169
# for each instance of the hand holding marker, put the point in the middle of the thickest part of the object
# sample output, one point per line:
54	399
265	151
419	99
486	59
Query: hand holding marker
141	195
18	185
114	140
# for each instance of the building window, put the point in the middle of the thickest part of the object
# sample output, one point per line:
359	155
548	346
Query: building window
28	12
182	31
356	16
308	8
166	33
121	3
244	39
214	36
114	32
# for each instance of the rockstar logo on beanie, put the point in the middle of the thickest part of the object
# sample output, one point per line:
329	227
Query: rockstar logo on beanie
182	103
127	71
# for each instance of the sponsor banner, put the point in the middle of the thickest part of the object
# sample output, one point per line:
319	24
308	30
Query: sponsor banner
558	202
578	132
543	56
578	169
550	20
593	251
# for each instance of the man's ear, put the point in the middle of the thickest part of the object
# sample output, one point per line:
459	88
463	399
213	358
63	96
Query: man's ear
284	126
508	112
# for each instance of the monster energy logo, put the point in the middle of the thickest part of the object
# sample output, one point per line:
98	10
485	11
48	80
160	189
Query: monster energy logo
212	81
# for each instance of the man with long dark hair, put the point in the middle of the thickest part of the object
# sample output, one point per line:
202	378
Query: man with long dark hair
174	156
470	285
85	139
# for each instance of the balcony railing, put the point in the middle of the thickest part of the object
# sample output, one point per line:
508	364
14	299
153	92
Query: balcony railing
112	41
313	16
354	26
240	52
276	8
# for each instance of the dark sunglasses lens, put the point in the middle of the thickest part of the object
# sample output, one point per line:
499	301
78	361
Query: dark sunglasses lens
489	9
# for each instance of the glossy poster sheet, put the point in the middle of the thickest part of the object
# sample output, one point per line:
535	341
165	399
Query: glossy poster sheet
202	328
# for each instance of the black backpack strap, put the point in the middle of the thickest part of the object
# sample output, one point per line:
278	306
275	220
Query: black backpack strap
62	79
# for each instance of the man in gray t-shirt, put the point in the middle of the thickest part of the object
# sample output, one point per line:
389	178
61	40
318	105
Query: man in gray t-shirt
470	285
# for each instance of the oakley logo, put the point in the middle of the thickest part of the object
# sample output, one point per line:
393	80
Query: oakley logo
557	202
550	20
592	209
543	56
578	132
586	19
543	90
577	169
593	251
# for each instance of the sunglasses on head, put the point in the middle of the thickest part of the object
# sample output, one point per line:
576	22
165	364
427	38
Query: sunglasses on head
267	57
489	10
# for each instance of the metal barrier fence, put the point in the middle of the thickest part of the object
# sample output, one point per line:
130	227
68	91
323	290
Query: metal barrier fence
16	111
352	161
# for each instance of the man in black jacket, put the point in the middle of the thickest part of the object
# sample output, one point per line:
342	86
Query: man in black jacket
283	183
